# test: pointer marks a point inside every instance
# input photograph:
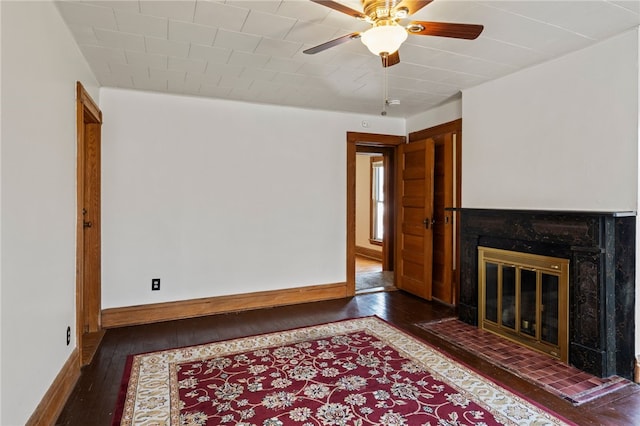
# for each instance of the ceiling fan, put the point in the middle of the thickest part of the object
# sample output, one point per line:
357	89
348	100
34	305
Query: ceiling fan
386	34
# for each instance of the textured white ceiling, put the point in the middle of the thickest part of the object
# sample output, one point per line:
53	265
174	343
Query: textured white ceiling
252	50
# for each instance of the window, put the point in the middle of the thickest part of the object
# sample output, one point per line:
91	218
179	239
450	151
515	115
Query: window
377	200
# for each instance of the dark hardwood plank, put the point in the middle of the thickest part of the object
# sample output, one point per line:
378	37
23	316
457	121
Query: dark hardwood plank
94	396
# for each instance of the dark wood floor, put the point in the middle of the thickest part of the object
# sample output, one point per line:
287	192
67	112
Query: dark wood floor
94	396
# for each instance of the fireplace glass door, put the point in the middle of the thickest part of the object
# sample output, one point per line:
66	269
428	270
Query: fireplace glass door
524	298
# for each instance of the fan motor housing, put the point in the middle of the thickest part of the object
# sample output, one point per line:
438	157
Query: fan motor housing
378	9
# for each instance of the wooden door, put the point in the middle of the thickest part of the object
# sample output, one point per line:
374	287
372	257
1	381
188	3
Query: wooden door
443	226
415	218
91	229
88	255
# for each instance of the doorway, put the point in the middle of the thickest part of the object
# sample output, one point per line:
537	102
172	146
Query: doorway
380	145
88	269
374	207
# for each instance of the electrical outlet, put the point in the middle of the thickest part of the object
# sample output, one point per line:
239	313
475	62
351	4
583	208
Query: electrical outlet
155	284
68	335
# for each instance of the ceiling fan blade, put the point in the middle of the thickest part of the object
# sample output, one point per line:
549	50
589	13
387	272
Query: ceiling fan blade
331	43
413	5
390	60
445	29
341	8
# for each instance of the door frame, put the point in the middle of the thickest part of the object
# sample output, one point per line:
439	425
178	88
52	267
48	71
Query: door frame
87	113
366	141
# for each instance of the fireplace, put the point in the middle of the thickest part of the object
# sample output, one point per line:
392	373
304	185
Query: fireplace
599	248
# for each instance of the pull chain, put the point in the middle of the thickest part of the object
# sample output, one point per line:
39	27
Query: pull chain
385	92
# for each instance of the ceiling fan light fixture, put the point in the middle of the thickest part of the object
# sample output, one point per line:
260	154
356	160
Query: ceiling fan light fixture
384	38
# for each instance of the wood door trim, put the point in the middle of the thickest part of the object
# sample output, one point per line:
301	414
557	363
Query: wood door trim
457	186
451	126
83	97
367	141
375	139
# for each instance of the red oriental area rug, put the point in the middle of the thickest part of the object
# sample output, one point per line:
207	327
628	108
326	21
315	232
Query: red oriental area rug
353	372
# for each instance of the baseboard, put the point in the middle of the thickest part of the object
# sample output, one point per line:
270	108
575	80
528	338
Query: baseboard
636	370
53	401
157	312
370	253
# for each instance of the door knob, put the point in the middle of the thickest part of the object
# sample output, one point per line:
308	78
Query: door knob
429	222
87	224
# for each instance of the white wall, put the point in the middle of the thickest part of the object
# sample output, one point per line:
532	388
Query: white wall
637	313
40	66
0	216
562	135
444	113
363	203
217	197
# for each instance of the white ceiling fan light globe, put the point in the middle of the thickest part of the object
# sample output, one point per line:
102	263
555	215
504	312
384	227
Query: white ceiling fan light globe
384	38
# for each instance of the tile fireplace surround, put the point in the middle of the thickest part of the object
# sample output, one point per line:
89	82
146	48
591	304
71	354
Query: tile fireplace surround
600	247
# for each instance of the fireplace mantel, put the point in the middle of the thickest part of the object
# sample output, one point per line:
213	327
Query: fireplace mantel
601	249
